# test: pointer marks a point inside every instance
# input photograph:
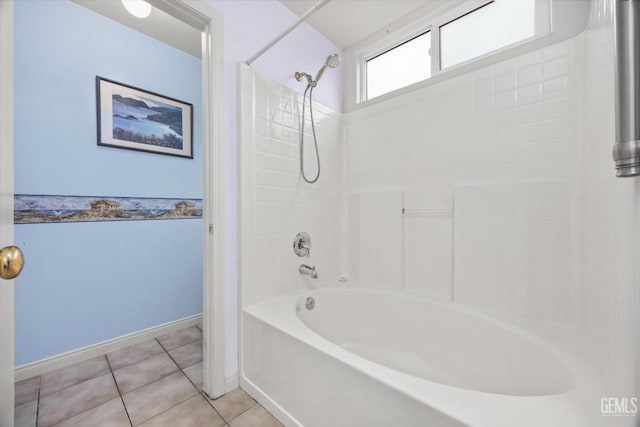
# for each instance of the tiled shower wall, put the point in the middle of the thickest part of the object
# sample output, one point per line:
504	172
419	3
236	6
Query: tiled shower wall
276	203
521	152
505	123
518	154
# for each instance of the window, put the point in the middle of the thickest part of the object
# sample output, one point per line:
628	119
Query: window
405	64
475	29
494	25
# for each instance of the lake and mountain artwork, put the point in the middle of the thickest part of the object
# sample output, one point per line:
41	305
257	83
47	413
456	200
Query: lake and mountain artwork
35	209
146	121
136	119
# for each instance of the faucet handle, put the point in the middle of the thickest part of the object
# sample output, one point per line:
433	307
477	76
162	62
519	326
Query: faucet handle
302	244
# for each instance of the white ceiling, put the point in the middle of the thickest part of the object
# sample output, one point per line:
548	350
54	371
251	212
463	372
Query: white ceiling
346	22
158	25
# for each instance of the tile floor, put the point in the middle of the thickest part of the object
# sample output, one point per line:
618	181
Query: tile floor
153	384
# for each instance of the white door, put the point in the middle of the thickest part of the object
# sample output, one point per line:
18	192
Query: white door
6	209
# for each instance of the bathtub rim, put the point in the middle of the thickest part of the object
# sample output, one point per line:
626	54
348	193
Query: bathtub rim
279	313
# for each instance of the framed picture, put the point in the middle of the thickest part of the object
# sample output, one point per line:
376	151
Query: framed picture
137	119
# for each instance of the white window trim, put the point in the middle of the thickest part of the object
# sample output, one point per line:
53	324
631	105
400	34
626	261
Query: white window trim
543	27
382	48
387	44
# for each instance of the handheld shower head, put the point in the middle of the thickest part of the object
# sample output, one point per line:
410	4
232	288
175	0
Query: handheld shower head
332	61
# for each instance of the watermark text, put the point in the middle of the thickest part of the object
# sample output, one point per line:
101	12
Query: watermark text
619	406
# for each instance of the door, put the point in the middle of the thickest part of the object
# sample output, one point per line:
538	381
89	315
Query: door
6	209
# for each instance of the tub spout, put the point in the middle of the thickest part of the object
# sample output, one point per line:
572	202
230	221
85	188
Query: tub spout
311	271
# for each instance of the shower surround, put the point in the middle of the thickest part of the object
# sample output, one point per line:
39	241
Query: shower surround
512	209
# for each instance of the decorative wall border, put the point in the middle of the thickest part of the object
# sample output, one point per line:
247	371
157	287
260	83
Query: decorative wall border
39	209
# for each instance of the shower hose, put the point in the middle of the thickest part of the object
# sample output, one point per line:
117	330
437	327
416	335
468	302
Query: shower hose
313	132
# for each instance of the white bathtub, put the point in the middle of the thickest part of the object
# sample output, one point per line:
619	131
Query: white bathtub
376	358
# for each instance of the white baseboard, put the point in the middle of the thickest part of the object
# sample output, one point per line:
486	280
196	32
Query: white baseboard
49	364
231	382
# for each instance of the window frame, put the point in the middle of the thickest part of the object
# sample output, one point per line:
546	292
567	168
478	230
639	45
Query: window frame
543	27
395	46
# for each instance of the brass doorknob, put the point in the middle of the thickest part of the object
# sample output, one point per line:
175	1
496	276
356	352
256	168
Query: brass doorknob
11	262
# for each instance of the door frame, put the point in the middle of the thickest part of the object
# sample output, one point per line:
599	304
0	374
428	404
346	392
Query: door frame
7	358
213	185
205	18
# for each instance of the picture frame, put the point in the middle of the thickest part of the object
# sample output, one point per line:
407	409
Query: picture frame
137	119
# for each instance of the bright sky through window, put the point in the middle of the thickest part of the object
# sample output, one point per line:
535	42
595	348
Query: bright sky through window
401	66
498	24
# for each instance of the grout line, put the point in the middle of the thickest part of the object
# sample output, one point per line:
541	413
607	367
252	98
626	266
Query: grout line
38	400
168	409
200	391
179	370
246	410
111	371
88	379
144	360
141	360
126	411
210	402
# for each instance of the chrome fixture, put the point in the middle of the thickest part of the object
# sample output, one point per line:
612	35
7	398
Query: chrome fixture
311	271
310	303
302	244
332	61
626	150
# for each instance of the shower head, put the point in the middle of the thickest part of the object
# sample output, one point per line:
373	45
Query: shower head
332	61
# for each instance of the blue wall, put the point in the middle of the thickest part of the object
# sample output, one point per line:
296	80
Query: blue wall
88	282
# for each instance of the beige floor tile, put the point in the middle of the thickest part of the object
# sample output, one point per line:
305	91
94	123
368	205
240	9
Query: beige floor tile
144	372
26	391
195	372
233	404
257	416
25	415
73	400
110	414
62	378
180	338
187	355
133	354
152	399
195	412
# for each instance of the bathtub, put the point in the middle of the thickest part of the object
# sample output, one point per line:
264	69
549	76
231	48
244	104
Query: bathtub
359	357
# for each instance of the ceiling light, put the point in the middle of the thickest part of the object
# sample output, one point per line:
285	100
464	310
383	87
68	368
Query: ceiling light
138	8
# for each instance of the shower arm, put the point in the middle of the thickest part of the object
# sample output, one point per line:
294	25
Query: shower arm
310	82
